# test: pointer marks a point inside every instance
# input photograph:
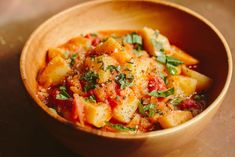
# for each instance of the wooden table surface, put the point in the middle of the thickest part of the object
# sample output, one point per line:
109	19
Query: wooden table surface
20	133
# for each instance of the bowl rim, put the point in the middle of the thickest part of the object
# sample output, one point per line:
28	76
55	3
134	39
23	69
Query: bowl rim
122	135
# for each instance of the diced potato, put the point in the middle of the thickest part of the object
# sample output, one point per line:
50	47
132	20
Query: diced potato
134	121
108	47
125	109
183	85
53	52
183	56
122	56
56	70
104	76
99	65
97	113
174	118
150	36
203	82
78	44
100	62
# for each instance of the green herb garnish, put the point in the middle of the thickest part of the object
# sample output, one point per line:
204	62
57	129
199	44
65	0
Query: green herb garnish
124	80
173	61
151	108
90	77
175	101
141	109
73	58
171	69
91	98
120	127
63	95
133	38
112	68
162	94
157	44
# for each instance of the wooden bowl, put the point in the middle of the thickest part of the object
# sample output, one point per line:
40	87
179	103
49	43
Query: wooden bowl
184	28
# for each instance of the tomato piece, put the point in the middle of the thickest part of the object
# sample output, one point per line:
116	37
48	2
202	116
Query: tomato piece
189	104
78	109
57	102
156	83
112	102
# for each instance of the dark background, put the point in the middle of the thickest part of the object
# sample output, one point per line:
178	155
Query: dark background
20	133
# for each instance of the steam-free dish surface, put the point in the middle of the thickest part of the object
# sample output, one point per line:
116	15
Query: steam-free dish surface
184	28
123	81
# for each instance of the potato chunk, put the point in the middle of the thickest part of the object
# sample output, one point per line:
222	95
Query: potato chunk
108	47
99	65
78	44
153	41
56	70
183	56
122	56
53	52
174	118
203	82
183	85
97	113
125	109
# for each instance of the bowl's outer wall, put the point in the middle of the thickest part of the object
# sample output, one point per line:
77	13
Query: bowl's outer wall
183	29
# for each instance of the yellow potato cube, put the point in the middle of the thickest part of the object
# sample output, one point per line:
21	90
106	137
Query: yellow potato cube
53	52
109	46
125	109
56	70
203	82
184	86
122	56
97	113
150	38
174	118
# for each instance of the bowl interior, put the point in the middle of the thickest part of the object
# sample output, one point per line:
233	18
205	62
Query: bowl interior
183	29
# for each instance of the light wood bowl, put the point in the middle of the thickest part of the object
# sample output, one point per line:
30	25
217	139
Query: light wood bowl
185	28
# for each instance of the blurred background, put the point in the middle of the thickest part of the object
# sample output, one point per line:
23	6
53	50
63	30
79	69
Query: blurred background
20	133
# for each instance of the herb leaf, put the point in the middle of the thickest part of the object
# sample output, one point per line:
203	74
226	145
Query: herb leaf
151	108
157	44
112	68
133	38
173	61
141	109
90	77
120	127
175	101
162	94
124	80
73	58
91	98
171	69
63	95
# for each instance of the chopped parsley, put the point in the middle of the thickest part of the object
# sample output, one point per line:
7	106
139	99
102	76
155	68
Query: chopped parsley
170	62
175	101
63	95
157	45
112	68
162	94
73	58
151	108
120	127
133	38
124	80
91	99
90	77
